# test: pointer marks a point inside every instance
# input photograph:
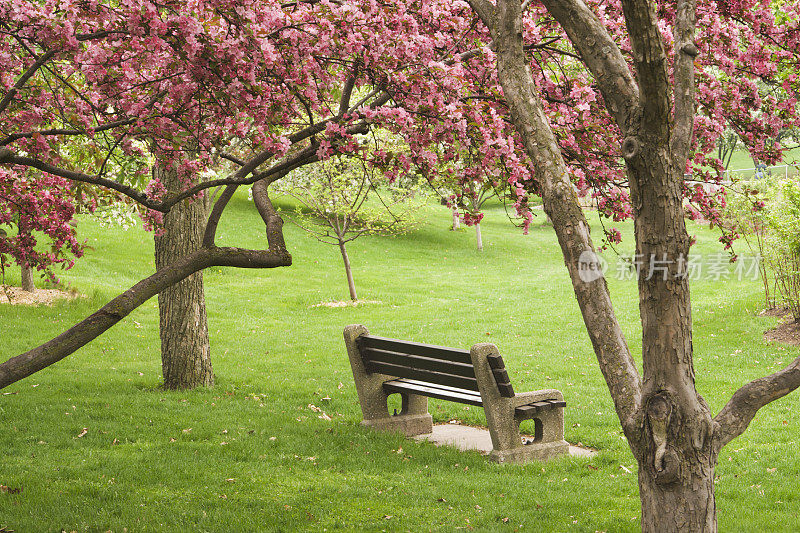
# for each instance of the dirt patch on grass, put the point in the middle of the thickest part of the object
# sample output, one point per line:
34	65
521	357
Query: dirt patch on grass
775	311
787	332
37	297
348	303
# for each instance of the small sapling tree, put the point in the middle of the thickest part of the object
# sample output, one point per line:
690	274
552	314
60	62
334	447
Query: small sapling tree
746	215
344	198
783	243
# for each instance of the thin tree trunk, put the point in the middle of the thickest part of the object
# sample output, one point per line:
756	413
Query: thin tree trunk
478	237
26	269
456	220
27	278
185	348
350	283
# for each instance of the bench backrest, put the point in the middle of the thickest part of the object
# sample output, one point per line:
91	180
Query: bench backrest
447	367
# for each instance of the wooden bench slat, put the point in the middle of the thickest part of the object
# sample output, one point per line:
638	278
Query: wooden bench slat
528	411
503	382
430	376
432	392
418	361
416	348
506	390
496	362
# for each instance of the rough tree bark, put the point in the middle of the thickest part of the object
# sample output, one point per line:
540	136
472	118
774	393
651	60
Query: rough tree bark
669	426
185	348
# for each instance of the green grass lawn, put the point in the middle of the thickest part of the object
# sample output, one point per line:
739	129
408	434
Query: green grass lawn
251	454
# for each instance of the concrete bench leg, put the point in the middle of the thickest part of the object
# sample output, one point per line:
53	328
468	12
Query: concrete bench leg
413	418
504	427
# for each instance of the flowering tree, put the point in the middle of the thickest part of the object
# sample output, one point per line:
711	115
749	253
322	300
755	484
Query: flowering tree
169	77
668	425
36	205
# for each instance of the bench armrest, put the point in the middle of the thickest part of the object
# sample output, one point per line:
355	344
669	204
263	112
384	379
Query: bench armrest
525	398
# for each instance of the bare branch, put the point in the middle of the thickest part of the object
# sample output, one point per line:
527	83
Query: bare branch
216	213
485	11
66	131
737	414
347	91
7	156
569	222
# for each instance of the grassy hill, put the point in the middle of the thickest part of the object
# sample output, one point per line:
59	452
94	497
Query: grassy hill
93	443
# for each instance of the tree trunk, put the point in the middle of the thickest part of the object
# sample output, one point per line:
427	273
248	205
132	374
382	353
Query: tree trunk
456	220
478	237
678	507
27	278
668	425
350	283
185	348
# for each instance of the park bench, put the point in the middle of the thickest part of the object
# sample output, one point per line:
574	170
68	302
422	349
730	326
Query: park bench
416	372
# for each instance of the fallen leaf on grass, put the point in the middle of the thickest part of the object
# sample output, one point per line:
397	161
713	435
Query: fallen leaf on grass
82	433
10	490
231	480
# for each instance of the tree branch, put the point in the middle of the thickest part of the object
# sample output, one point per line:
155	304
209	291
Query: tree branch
485	11
7	156
216	213
737	414
684	75
93	326
569	222
650	61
